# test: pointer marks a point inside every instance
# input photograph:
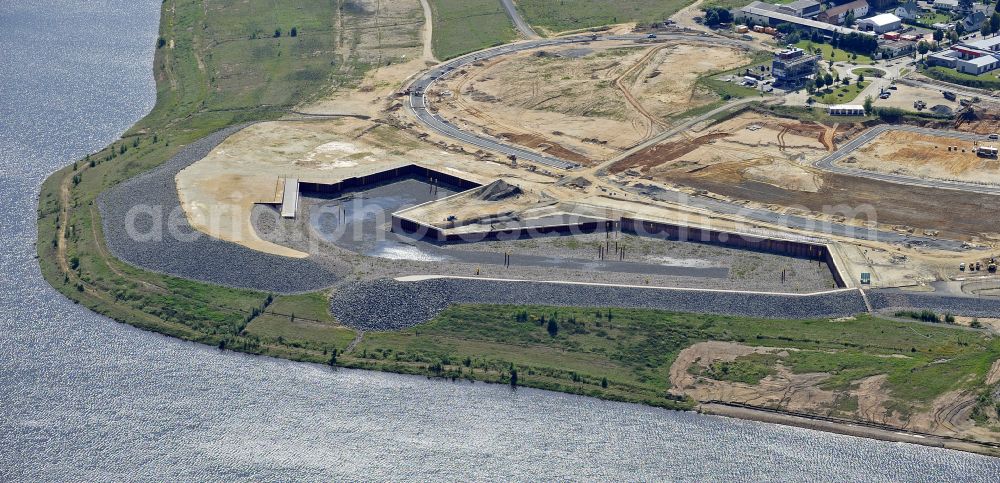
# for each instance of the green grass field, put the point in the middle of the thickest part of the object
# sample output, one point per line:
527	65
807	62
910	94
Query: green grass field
564	15
842	94
463	26
633	349
828	52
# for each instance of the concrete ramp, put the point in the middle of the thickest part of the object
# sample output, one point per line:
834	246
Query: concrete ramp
290	198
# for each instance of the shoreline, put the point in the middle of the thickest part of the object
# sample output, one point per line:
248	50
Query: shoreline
845	427
90	294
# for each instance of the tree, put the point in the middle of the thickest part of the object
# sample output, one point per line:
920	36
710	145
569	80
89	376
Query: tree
938	35
333	358
553	327
277	33
604	382
985	29
712	18
820	81
828	79
995	23
923	48
861	78
294	32
849	18
513	376
869	105
160	42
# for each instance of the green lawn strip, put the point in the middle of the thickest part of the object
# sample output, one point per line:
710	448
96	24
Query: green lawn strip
565	15
868	72
463	26
988	80
828	52
313	306
277	329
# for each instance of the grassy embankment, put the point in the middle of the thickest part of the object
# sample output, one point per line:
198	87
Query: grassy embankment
217	64
626	354
566	15
463	26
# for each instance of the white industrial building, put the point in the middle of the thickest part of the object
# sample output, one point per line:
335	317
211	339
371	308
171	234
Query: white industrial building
975	57
978	65
881	23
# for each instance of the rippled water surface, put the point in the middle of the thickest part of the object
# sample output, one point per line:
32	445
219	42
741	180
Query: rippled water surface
84	398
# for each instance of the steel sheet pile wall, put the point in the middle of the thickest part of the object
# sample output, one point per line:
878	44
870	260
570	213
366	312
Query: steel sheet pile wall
789	248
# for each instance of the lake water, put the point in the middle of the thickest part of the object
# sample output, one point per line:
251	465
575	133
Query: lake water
83	398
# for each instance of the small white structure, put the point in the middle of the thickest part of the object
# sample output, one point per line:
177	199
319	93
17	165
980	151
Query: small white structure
290	198
846	110
881	23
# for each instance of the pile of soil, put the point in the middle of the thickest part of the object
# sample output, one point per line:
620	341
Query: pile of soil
497	191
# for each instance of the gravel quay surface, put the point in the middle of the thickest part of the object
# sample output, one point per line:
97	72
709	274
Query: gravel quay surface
168	244
956	305
387	304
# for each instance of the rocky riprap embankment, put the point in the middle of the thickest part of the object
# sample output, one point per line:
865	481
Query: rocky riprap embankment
193	254
884	300
387	304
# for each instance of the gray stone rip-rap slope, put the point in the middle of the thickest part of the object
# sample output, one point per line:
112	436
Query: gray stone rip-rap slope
885	300
193	254
387	304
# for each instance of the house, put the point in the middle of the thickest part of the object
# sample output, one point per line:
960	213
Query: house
846	110
801	8
881	23
973	21
947	27
946	5
836	15
908	11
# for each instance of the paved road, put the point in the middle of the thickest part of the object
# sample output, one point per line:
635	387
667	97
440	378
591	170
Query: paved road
829	162
519	23
420	108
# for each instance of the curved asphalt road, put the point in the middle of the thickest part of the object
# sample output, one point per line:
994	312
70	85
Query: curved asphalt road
829	162
419	106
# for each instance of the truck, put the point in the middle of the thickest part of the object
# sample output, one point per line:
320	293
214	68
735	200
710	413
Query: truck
987	151
949	95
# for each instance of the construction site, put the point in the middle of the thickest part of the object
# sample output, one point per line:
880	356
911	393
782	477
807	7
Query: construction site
629	168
